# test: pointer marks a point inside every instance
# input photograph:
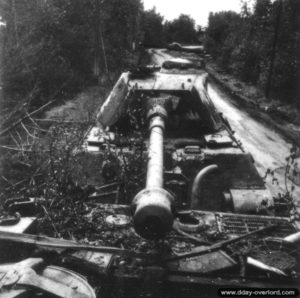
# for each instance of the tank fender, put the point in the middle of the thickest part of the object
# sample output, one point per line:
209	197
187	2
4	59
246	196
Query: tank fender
113	106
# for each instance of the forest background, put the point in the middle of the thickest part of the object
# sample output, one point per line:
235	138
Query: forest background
54	48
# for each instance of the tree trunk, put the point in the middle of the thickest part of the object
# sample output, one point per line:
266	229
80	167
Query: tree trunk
273	52
99	42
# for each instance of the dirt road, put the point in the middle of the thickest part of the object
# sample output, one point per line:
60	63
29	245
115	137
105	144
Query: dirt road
268	148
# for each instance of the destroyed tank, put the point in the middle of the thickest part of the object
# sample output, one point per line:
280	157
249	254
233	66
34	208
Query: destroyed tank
179	208
197	180
194	160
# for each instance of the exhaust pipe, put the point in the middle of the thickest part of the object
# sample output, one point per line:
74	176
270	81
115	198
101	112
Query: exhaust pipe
197	184
153	206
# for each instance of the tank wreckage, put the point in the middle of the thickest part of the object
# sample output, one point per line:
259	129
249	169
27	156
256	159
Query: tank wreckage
189	145
196	211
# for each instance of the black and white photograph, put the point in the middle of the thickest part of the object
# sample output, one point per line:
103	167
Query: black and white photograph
149	148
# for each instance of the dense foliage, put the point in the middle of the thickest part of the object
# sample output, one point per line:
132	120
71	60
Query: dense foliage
158	32
182	29
55	46
153	28
260	45
52	47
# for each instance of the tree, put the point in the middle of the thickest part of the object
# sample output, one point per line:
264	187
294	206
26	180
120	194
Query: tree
33	62
220	35
181	29
152	25
49	46
260	46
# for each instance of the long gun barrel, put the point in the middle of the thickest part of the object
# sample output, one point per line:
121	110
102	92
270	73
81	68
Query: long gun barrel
153	216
